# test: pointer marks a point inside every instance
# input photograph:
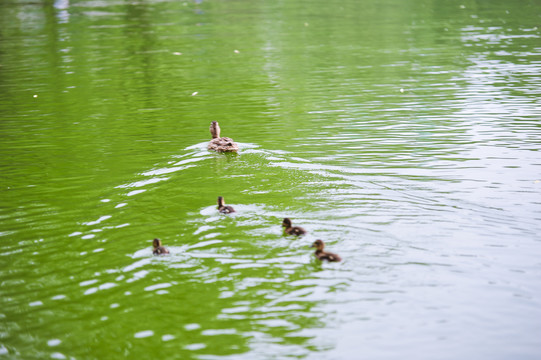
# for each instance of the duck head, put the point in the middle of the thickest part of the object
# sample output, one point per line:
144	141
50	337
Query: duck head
157	243
319	245
221	201
215	129
286	223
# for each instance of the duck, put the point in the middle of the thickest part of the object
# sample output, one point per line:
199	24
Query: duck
223	208
292	230
221	144
324	255
158	248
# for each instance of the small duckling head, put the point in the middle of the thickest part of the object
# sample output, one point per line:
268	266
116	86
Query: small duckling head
221	201
157	243
214	129
319	245
286	223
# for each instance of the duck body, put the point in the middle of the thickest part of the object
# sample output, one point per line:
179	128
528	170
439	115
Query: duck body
158	248
224	209
221	144
324	255
292	230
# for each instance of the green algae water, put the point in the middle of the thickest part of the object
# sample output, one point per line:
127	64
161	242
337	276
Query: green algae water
404	133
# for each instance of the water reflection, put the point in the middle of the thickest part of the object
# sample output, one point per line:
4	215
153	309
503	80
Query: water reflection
63	14
404	135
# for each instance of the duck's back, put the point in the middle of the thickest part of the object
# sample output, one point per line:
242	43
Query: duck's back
160	250
226	209
323	255
296	230
223	144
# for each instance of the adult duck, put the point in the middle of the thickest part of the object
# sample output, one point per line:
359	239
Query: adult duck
324	255
292	230
221	144
224	209
158	248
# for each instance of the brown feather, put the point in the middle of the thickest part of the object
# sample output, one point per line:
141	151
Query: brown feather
158	248
221	144
224	209
292	230
160	251
324	255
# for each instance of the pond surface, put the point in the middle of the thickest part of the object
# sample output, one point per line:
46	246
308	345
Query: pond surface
404	133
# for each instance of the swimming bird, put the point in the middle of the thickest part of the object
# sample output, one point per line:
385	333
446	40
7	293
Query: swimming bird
221	144
292	230
324	255
223	208
158	248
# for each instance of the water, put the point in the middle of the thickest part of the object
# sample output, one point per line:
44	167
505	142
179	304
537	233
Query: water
405	134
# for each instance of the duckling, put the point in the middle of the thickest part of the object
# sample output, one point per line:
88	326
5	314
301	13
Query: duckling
292	230
158	248
221	144
223	208
324	255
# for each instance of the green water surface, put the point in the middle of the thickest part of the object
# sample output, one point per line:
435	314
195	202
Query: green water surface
404	133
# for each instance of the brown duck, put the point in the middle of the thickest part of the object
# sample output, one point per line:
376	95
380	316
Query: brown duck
158	248
292	230
224	209
324	255
221	144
